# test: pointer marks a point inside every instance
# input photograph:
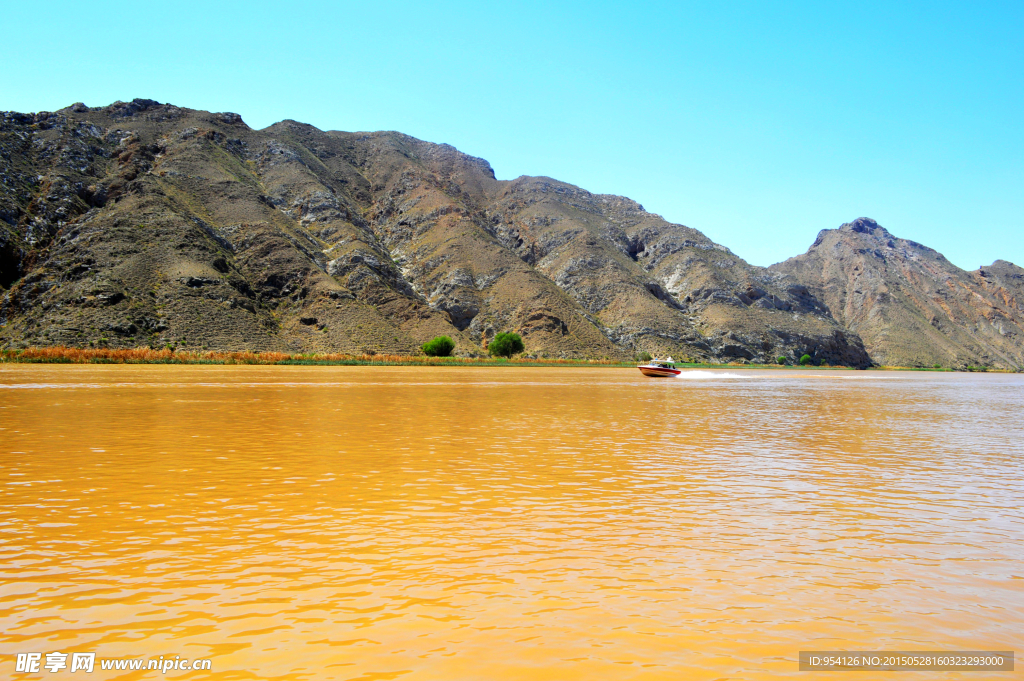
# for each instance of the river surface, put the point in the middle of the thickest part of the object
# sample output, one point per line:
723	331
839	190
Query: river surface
506	523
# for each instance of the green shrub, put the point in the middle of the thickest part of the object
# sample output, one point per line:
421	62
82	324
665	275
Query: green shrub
505	345
805	360
644	357
937	366
440	346
781	360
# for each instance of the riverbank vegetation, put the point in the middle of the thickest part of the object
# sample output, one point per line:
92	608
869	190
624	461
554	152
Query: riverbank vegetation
440	346
65	355
506	345
170	355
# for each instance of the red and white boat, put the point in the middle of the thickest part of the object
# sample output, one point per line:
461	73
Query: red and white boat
659	368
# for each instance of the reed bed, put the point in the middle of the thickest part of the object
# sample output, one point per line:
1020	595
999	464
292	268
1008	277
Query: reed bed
145	355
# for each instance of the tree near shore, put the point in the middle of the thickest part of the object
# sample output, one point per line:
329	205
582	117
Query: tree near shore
505	345
439	346
805	360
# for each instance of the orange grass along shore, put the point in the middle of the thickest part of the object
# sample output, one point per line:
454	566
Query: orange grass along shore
65	355
144	355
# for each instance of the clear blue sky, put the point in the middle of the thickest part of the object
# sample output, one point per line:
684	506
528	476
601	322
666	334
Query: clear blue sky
757	123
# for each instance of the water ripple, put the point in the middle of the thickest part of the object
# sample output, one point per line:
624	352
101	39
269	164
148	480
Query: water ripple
434	523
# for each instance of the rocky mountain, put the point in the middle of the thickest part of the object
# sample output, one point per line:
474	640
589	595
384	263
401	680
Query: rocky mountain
146	223
910	305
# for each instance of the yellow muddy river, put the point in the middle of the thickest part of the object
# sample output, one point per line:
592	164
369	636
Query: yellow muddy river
506	523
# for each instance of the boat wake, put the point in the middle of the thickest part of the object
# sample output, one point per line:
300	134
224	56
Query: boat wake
705	375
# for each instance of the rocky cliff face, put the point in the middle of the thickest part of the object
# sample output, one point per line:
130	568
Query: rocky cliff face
649	284
910	305
146	223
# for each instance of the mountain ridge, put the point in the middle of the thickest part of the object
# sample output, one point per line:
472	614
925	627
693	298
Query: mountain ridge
143	222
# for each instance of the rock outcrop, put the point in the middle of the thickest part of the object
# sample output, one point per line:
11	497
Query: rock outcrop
910	305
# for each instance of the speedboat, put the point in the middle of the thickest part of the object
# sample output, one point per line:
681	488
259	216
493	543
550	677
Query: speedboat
659	368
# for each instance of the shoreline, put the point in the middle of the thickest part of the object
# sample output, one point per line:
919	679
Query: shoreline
65	355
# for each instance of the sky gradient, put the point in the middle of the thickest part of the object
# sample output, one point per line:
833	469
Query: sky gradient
758	125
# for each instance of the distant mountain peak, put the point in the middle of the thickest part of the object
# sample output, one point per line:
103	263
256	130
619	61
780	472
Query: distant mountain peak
865	226
910	305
